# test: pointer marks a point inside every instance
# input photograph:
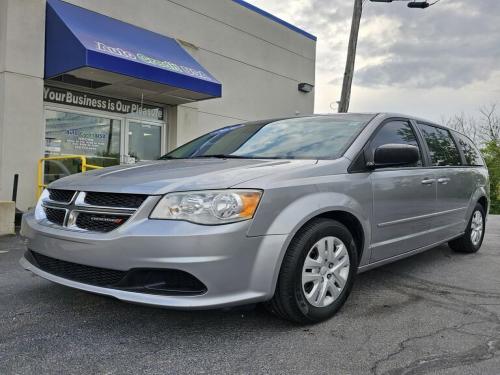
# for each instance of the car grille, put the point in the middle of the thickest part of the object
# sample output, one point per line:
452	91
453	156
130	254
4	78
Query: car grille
78	272
91	211
115	200
63	196
99	222
55	215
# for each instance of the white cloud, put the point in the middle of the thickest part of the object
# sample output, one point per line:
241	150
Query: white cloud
433	62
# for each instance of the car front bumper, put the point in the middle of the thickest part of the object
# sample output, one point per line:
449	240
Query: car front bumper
235	268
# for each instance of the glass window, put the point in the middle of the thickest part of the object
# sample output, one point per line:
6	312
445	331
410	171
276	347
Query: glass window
442	148
471	153
144	141
68	133
396	132
319	137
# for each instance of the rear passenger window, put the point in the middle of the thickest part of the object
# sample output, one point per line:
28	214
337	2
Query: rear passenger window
444	152
396	132
471	153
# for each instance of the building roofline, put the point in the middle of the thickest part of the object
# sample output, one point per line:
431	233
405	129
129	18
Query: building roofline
275	19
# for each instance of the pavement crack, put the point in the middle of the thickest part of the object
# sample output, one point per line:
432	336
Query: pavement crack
479	353
445	296
444	289
495	347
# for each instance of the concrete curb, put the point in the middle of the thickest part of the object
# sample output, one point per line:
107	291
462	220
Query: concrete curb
7	217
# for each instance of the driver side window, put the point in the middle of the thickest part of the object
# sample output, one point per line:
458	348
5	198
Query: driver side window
396	132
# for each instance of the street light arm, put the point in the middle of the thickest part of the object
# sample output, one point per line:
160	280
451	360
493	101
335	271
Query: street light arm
411	3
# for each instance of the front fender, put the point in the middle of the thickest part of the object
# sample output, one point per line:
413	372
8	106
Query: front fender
278	215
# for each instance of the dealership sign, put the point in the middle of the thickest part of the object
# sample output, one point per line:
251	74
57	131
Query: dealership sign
102	103
160	63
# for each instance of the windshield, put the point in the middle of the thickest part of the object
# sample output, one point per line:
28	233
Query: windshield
319	137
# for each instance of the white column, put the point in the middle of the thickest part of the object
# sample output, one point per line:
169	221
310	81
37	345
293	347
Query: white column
22	34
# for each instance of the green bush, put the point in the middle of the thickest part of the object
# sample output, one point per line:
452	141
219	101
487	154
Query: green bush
491	155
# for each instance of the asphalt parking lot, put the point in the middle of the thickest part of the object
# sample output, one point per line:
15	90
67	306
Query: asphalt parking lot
437	312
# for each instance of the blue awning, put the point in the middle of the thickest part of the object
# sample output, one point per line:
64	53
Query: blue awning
87	45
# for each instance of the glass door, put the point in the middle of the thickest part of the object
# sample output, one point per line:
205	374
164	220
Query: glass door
144	140
104	140
76	133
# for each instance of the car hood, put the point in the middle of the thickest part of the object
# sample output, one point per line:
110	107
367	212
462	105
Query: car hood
163	176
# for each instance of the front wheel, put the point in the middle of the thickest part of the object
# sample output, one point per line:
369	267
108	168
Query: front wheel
472	239
317	273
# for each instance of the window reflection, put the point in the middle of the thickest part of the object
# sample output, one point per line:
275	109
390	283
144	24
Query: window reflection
396	132
442	148
471	153
68	133
144	141
298	138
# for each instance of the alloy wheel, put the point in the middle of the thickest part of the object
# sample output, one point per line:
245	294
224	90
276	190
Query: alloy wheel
325	271
477	228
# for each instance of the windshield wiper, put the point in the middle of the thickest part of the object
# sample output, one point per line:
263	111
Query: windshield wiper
168	157
221	156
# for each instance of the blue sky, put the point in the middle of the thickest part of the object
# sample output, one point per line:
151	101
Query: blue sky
432	63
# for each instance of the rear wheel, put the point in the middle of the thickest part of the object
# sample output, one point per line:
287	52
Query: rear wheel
317	273
472	239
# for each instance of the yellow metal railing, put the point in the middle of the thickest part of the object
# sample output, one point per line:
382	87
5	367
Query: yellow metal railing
41	185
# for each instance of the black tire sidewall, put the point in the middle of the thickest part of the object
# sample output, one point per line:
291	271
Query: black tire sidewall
323	228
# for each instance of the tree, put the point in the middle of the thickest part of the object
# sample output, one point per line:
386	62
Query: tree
491	153
481	129
463	124
490	124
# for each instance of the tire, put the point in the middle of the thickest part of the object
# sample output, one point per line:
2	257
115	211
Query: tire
290	300
468	243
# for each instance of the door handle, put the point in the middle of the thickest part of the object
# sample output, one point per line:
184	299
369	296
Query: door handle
428	181
443	180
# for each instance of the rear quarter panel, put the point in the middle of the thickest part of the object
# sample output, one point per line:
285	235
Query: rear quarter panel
481	188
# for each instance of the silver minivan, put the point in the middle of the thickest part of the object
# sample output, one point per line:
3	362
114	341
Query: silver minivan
284	211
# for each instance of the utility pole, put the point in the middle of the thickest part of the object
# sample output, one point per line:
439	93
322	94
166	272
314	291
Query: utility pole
351	57
345	97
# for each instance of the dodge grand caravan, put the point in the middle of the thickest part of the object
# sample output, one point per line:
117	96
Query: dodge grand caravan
284	211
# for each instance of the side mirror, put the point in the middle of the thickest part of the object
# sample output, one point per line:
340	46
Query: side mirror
393	155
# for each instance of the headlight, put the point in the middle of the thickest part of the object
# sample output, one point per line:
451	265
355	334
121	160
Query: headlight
208	207
39	211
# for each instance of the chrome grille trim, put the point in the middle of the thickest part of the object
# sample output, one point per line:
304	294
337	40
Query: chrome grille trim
77	205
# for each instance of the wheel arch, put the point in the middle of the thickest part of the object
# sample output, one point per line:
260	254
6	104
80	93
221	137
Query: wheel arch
483	201
349	219
351	222
480	196
300	211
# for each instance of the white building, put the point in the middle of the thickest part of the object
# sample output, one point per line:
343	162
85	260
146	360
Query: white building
115	79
